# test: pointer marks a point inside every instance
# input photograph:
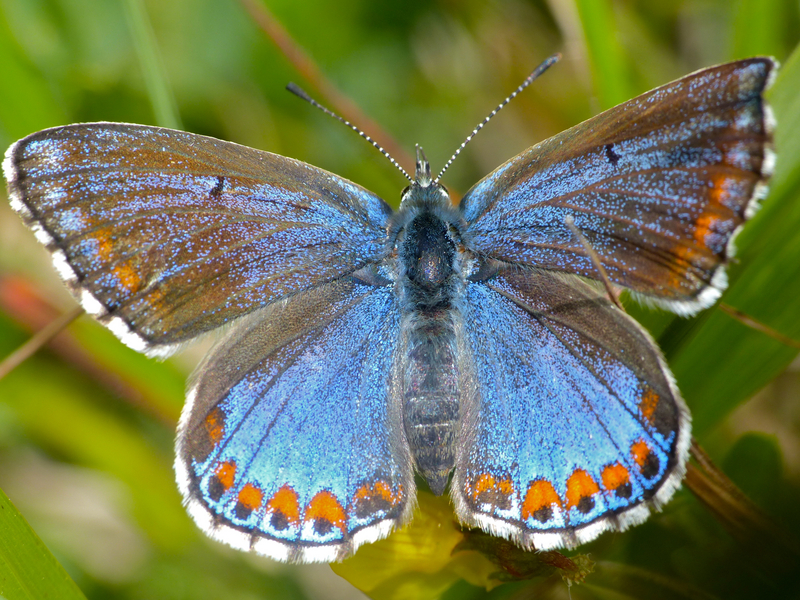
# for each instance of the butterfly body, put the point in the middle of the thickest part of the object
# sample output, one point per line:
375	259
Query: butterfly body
471	344
430	267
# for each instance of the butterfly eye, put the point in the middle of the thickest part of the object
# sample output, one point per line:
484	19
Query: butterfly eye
404	192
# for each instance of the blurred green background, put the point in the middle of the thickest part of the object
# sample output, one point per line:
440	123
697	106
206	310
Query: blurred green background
86	426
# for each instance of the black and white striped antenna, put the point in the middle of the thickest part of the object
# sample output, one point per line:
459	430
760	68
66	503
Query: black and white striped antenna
549	62
300	93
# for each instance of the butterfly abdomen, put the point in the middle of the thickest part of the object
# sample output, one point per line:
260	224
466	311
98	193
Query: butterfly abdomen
429	287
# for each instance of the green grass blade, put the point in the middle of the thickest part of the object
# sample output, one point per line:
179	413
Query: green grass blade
757	28
28	570
155	76
25	100
58	413
605	53
785	99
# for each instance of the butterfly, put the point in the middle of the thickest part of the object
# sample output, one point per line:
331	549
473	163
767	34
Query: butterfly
469	344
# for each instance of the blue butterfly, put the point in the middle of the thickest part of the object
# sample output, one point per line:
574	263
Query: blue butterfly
463	343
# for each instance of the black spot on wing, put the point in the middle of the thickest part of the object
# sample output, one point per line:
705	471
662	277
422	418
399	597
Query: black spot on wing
217	189
612	156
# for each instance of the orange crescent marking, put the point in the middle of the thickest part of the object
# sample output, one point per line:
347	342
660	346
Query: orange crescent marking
484	482
104	247
614	476
718	207
215	425
580	485
226	473
640	451
324	505
703	226
487	482
155	298
540	494
285	501
379	488
719	190
251	497
715	209
128	278
505	487
648	404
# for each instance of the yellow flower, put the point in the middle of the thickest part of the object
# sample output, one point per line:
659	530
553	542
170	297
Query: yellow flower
431	553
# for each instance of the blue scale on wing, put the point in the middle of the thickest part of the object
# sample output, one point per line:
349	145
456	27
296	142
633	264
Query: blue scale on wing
658	185
575	419
177	234
291	436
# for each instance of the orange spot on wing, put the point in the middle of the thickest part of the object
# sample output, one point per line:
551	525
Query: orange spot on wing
251	497
703	226
719	190
380	489
127	277
648	404
325	506
104	246
487	483
723	203
285	501
215	425
640	451
155	298
580	485
722	199
540	494
614	476
226	473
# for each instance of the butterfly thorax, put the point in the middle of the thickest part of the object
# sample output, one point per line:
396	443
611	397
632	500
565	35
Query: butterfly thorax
429	285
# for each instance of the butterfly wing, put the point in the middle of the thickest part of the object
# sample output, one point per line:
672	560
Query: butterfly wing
576	426
658	185
163	235
289	444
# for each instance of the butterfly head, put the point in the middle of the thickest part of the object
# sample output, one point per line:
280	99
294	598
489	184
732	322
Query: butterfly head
424	191
422	175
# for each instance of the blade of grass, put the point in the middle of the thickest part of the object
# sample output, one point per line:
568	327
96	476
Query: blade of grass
606	56
27	102
70	416
28	570
39	339
155	75
155	388
306	66
757	28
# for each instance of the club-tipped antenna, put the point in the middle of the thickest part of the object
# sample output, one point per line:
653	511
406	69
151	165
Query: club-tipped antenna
549	62
300	93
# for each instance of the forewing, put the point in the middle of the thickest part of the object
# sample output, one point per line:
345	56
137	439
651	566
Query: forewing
164	235
576	426
658	186
290	443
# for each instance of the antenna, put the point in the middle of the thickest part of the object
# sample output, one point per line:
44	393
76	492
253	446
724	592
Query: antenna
549	62
300	93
